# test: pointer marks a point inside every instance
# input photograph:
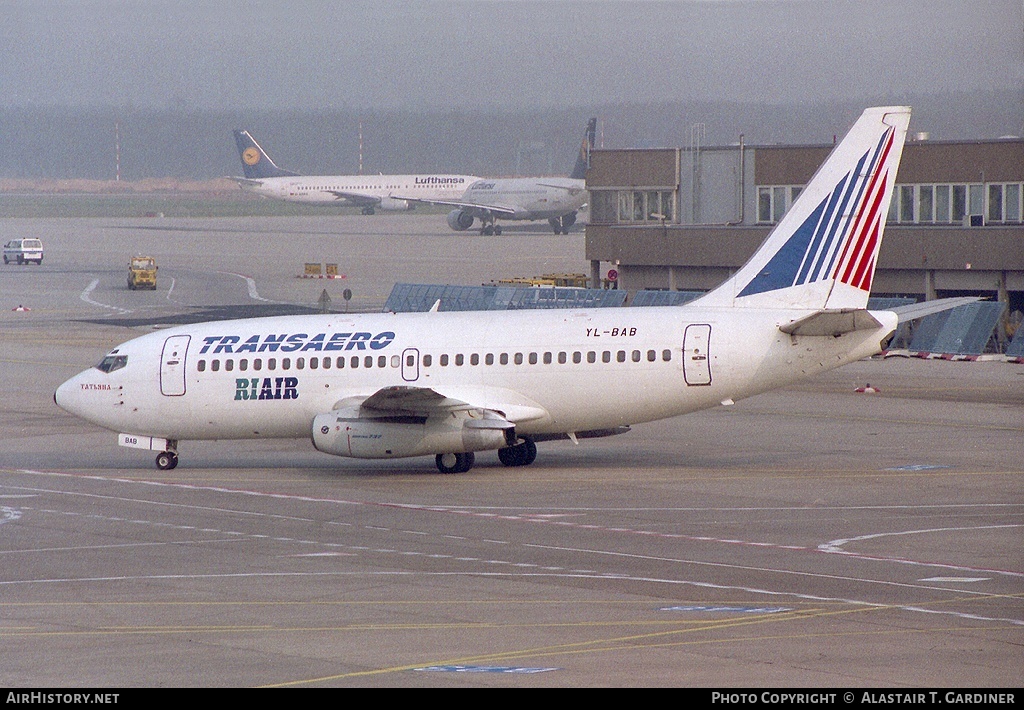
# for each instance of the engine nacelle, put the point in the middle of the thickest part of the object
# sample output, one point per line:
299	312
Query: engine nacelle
460	220
390	203
398	437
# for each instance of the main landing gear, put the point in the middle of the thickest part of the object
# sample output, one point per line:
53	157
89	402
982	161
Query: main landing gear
522	454
490	229
455	463
561	224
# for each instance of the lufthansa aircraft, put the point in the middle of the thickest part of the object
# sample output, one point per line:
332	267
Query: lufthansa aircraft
371	192
449	384
553	198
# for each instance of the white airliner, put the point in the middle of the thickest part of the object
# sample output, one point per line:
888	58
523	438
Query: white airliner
371	192
449	384
555	199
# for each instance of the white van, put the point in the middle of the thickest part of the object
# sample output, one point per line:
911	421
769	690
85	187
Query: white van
23	251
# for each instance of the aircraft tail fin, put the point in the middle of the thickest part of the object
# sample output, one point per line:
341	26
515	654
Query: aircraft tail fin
583	157
256	163
822	253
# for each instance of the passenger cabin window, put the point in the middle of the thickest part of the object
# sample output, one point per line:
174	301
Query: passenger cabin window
111	363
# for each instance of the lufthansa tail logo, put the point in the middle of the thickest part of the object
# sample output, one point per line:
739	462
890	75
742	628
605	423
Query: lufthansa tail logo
250	156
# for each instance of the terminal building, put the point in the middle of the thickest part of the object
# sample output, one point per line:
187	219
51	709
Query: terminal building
683	219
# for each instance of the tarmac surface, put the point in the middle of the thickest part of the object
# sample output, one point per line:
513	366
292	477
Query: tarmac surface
809	537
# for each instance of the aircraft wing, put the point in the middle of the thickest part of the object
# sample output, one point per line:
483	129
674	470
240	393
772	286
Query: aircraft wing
571	189
927	308
359	199
498	210
488	403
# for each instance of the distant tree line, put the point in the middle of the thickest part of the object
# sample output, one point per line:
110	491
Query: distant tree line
65	143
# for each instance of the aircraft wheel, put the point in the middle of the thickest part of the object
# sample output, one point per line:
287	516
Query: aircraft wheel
487	230
455	463
368	210
497	231
519	455
6	260
166	460
509	456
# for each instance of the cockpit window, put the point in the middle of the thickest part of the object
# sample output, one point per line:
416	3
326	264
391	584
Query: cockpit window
112	362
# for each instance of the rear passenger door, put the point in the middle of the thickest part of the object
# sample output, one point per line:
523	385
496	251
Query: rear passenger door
697	355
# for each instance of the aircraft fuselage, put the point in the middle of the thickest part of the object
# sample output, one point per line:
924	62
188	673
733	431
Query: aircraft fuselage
328	189
586	370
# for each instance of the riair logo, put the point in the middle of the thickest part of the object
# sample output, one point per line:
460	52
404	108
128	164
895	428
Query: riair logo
250	388
250	156
296	342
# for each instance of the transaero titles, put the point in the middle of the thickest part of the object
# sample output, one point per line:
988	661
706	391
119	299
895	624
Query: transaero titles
931	697
297	342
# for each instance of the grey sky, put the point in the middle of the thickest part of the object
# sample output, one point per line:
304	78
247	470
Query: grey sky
438	54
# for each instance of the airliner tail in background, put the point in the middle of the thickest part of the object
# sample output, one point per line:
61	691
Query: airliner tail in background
256	164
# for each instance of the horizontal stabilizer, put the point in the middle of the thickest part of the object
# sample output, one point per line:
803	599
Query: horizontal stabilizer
927	308
832	322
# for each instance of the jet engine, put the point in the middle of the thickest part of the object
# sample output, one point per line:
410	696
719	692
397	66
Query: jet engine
460	220
390	203
401	436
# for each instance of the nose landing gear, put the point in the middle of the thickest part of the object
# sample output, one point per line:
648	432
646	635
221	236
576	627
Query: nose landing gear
167	460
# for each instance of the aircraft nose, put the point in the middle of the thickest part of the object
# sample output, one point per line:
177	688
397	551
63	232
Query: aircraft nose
68	396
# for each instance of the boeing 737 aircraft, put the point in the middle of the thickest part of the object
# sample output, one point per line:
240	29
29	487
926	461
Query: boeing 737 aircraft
555	199
449	384
371	192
